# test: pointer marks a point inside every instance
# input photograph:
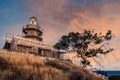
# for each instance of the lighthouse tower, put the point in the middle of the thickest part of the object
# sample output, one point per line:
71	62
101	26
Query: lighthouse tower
33	30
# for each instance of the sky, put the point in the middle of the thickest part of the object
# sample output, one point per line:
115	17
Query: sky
58	17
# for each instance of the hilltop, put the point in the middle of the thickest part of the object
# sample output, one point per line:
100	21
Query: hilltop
20	66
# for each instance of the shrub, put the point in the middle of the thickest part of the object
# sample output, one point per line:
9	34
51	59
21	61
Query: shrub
58	66
77	75
3	63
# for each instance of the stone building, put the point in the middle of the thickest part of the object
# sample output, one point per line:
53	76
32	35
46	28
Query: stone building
31	41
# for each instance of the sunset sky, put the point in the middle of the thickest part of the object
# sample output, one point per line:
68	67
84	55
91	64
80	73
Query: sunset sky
58	17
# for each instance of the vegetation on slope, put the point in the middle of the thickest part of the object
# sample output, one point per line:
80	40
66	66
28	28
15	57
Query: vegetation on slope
18	66
114	78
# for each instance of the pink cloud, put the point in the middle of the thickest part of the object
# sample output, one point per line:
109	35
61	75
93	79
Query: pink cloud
57	19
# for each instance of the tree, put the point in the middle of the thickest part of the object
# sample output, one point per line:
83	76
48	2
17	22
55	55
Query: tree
86	44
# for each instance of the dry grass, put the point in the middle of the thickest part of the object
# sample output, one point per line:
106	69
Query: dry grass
18	66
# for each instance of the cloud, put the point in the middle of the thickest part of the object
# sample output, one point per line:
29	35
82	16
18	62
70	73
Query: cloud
91	15
107	62
112	61
15	29
64	16
58	17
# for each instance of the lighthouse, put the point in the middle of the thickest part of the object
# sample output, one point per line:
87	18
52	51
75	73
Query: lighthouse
31	41
33	30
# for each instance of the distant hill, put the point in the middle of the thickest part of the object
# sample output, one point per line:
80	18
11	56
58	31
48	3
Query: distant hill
19	66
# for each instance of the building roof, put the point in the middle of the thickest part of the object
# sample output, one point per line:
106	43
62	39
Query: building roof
33	18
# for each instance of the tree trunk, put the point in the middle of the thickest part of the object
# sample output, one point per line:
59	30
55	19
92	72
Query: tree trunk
84	58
